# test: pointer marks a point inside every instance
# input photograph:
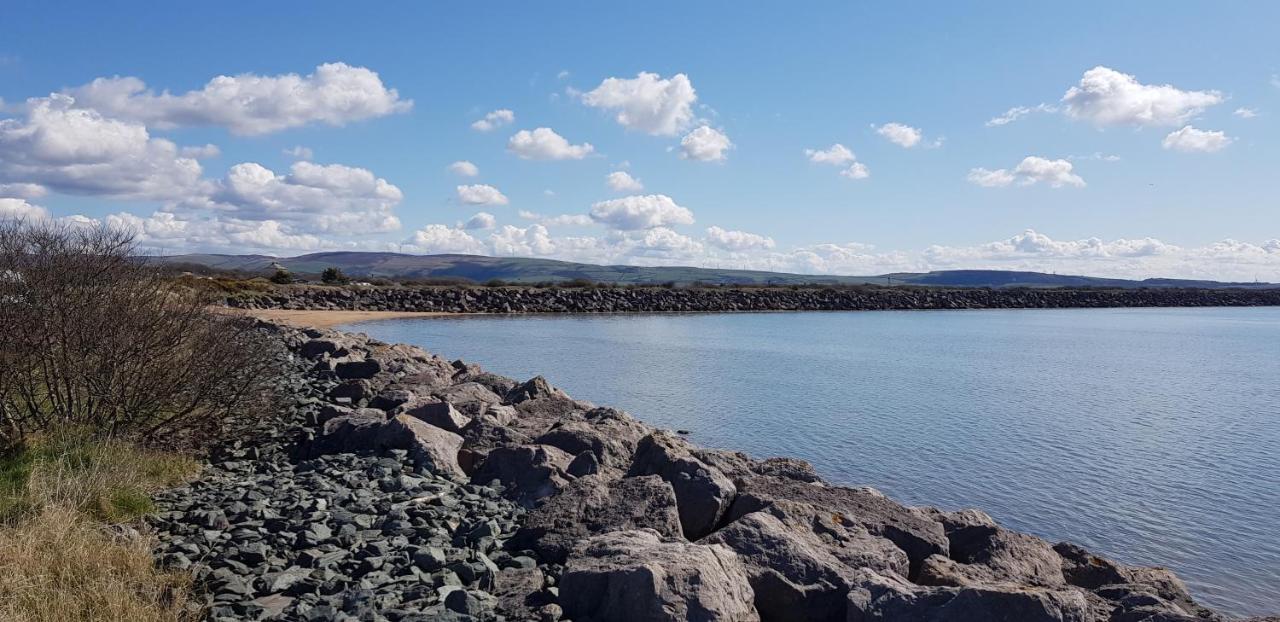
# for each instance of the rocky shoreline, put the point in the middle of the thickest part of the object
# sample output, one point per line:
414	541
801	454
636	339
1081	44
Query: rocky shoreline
403	487
729	299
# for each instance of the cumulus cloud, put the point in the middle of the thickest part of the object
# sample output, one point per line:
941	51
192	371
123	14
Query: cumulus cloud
902	135
299	152
839	155
544	144
1105	96
648	102
311	198
1189	139
1246	113
201	152
622	181
445	239
494	120
78	151
640	212
463	168
481	220
1032	170
23	191
705	144
512	241
481	194
250	104
19	209
737	240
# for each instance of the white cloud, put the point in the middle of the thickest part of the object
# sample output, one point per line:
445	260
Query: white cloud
312	198
299	152
443	239
573	220
857	170
1032	170
544	144
78	151
902	135
705	144
494	120
250	104
19	209
737	240
564	73
622	181
1017	112
839	155
481	220
201	152
481	194
1189	139
1107	97
23	191
463	168
512	241
1246	113
648	102
640	212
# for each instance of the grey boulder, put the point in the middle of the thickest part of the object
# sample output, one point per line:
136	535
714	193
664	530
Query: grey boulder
703	493
635	576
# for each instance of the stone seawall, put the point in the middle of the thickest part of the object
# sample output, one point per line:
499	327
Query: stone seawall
400	486
657	299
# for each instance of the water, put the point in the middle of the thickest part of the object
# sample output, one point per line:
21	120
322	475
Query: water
1148	435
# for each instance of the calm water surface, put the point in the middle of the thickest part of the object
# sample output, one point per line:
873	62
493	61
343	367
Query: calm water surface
1148	435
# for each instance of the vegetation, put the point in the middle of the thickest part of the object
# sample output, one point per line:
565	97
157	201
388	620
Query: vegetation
333	276
58	558
94	339
105	357
281	277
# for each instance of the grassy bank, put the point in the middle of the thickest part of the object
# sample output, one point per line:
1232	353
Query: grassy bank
62	557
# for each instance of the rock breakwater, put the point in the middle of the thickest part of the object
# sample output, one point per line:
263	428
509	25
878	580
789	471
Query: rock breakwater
400	486
726	299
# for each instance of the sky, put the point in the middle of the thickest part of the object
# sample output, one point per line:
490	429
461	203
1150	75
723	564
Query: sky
1134	139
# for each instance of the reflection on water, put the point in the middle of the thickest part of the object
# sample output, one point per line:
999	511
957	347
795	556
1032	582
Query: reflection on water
1149	435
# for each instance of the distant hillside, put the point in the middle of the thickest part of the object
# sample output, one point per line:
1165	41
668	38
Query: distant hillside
529	270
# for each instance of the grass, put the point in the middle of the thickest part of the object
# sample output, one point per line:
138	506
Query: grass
60	557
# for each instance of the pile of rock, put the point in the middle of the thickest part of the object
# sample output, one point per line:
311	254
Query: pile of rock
411	488
725	299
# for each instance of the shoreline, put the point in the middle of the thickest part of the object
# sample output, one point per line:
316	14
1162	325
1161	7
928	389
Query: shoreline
480	495
330	318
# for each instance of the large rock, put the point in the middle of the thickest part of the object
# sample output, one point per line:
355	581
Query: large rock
527	473
350	370
878	598
440	414
983	552
593	505
914	532
356	431
635	576
737	465
466	392
1084	569
532	389
802	560
611	435
703	493
429	447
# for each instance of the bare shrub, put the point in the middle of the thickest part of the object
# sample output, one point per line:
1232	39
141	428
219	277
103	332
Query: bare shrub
94	338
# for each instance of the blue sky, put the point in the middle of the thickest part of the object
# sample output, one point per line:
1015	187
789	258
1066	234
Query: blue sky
1162	165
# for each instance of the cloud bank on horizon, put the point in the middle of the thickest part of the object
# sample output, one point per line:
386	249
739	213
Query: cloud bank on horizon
123	141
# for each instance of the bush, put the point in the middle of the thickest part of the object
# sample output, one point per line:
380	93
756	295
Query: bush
282	277
495	283
333	276
93	338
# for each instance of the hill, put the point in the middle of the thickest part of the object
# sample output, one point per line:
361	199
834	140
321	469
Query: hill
477	268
